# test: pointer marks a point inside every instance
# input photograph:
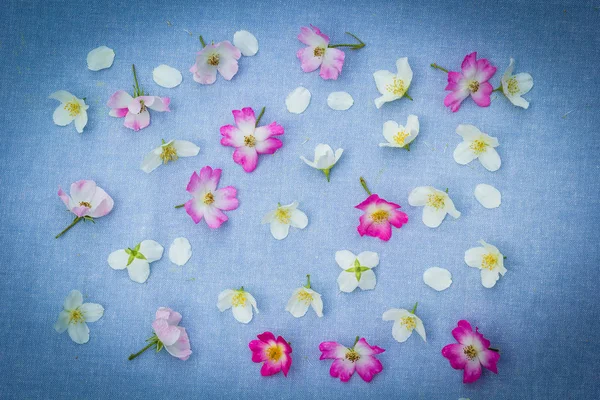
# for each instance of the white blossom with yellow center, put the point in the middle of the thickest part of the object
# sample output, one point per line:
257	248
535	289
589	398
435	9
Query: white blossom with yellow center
398	135
393	86
436	204
405	322
514	86
70	109
325	158
283	217
489	260
75	315
302	298
240	302
168	151
477	144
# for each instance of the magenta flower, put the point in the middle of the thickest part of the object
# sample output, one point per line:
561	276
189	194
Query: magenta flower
473	81
169	335
220	57
360	358
87	201
319	54
273	353
249	139
471	352
135	109
209	202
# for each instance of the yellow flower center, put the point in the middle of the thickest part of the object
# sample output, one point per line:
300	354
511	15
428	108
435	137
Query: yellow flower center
85	204
168	153
436	200
209	198
305	297
470	352
408	322
73	107
319	51
396	87
513	86
489	261
76	317
274	353
380	216
239	300
249	141
283	215
400	137
478	146
473	86
352	355
213	59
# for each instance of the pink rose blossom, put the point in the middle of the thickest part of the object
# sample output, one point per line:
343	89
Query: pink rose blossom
360	358
209	202
319	54
135	109
220	57
273	353
379	217
249	140
471	352
473	81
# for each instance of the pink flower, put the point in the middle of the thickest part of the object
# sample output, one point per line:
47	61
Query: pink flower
379	217
209	202
360	358
220	57
473	80
471	352
273	353
318	54
135	109
249	140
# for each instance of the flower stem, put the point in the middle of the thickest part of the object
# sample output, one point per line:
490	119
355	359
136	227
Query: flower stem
408	97
180	205
353	46
434	65
356	341
493	349
364	185
136	88
75	221
202	41
307	281
414	308
132	356
260	116
326	172
498	89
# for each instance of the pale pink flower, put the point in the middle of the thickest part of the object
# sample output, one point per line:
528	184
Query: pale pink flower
220	57
135	109
210	202
273	353
360	358
379	217
249	140
319	54
472	81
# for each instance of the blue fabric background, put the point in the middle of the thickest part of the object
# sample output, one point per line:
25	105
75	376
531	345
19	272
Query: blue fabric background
543	314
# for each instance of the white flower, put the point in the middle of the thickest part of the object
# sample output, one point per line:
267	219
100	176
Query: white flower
167	77
393	86
71	109
240	302
476	144
357	270
166	152
325	158
136	260
100	58
340	101
514	86
488	196
436	205
302	298
246	43
489	260
298	100
437	278
404	323
180	251
398	135
282	217
74	316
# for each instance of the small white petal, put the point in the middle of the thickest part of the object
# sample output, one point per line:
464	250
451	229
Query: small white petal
368	259
489	278
298	100
279	230
224	300
340	101
73	300
180	251
298	219
62	323
79	333
100	58
63	96
152	250
488	196
246	42
185	148
345	259
243	314
317	304
490	159
118	259
92	312
437	278
152	160
367	280
139	270
347	281
295	306
400	332
167	77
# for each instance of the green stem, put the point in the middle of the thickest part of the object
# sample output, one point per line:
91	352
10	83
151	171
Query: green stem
408	97
434	65
180	205
75	221
307	281
414	308
364	185
202	41
493	349
498	89
132	356
136	91
356	341
326	172
352	46
260	116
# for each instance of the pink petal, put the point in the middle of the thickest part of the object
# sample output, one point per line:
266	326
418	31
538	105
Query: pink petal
195	184
454	80
228	50
364	223
194	211
83	190
80	211
118	112
267	337
225	198
228	67
485	70
247	157
489	359
382	230
120	99
456	355
454	99
269	368
168	334
172	317
102	203
482	96
313	37
268	146
472	371
481	339
232	136
283	343
137	121
203	72
64	197
342	368
463	335
465	324
286	363
263	132
333	62
245	120
365	349
369	201
398	218
210	178
258	348
367	367
308	61
135	106
160	104
181	349
214	217
332	350
469	65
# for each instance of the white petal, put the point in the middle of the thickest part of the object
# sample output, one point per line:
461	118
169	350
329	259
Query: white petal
167	77
400	333
489	278
224	300
338	154
185	148
433	217
243	314
246	42
100	58
420	328
295	306
92	312
252	301
394	314
450	209
345	259
324	156
139	270
463	154
81	121
437	278
118	259
367	280
61	116
63	96
390	129
412	125
340	101
62	323
152	160
347	281
509	70
468	132
474	256
488	196
279	230
180	251
368	259
152	250
382	79
298	100
79	333
308	162
518	101
525	82
317	304
73	300
404	71
490	159
298	219
419	195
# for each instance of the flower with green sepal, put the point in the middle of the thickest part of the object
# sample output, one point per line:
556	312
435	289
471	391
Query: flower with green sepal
357	270
137	260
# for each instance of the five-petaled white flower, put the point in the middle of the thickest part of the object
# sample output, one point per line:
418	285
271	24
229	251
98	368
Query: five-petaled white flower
400	136
302	298
476	144
168	151
74	316
240	302
393	86
357	270
137	260
436	205
325	158
404	323
282	217
489	260
71	109
514	86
